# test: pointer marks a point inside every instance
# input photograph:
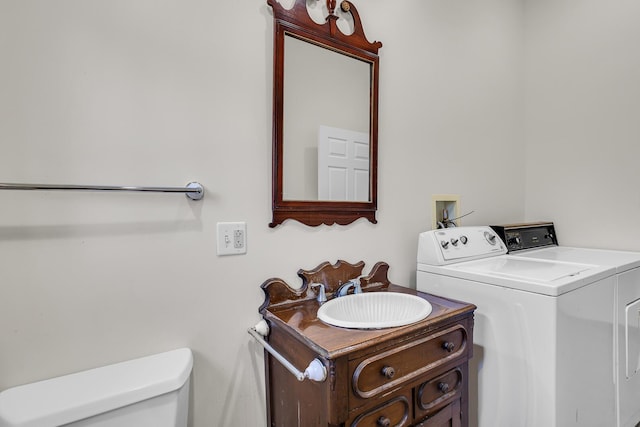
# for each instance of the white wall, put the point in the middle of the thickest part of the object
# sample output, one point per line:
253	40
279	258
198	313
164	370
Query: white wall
583	120
164	92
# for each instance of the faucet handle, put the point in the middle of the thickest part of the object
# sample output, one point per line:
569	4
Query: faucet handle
357	288
353	283
322	296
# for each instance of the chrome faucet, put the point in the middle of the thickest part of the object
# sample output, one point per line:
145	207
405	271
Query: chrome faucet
353	283
322	296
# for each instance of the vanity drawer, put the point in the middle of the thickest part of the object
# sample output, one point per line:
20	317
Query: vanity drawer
395	412
449	416
378	373
438	392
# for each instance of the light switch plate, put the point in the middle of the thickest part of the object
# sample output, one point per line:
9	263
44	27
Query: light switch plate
231	238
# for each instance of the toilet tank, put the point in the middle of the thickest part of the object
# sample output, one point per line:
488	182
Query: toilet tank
152	391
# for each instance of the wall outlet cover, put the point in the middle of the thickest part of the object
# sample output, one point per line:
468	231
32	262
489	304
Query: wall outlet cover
231	238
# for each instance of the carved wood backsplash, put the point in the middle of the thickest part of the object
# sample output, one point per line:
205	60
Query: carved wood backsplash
332	276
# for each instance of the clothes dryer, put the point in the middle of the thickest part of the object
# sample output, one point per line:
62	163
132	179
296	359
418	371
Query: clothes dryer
539	241
543	330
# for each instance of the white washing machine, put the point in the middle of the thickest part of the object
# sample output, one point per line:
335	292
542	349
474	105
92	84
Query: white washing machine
543	334
539	241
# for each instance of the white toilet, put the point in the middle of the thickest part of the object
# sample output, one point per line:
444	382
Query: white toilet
151	391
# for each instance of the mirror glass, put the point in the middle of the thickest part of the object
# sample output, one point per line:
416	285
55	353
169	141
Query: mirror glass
325	105
326	124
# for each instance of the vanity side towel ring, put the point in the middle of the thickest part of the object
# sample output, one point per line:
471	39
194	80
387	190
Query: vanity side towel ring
316	370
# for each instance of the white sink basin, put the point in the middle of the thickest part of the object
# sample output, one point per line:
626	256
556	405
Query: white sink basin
374	310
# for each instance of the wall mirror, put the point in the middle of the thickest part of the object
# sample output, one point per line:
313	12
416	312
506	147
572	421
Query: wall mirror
325	114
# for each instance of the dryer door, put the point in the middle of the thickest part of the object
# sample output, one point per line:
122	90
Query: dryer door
632	338
628	347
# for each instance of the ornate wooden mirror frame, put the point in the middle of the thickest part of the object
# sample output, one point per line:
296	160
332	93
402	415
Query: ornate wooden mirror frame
297	23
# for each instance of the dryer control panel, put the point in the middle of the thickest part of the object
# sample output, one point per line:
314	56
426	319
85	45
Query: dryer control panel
525	236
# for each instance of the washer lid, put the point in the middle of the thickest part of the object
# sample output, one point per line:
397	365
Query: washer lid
531	275
621	260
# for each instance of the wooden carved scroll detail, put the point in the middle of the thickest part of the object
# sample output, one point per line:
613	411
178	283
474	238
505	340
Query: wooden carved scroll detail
332	276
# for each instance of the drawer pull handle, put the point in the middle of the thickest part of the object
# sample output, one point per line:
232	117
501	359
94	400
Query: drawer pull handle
384	422
443	387
449	346
388	372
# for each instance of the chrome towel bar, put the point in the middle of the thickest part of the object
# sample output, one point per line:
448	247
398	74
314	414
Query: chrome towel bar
193	190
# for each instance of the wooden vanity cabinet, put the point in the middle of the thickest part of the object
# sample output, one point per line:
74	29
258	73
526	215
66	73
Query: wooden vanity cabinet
414	375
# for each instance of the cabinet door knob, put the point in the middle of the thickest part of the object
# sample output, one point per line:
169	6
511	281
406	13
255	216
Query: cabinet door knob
388	372
443	387
449	346
384	422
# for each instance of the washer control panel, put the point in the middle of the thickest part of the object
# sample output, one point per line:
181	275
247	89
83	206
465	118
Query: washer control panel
448	245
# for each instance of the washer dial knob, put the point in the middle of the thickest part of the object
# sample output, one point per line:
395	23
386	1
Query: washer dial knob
491	238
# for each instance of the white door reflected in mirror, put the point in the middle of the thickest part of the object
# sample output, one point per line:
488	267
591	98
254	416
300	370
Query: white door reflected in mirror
343	165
